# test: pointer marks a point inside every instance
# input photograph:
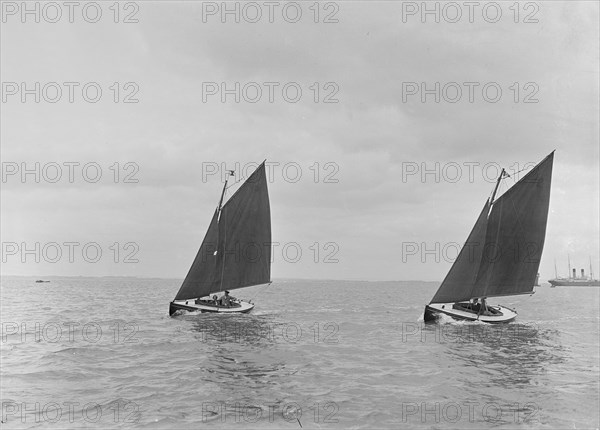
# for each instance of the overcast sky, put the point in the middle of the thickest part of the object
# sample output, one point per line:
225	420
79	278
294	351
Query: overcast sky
361	195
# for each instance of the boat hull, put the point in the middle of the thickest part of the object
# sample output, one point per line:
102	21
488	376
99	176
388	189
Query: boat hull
192	306
434	311
574	283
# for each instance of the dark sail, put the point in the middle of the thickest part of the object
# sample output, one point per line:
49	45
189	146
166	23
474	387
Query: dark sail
515	235
503	252
463	272
244	256
240	233
200	279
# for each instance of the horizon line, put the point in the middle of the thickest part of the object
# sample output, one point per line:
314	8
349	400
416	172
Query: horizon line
181	279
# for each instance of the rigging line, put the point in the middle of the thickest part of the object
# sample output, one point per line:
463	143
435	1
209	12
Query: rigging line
220	209
228	187
493	263
523	169
245	181
224	257
261	290
474	282
515	177
235	183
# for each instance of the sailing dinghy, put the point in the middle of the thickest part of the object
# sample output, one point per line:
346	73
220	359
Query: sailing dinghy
235	253
502	254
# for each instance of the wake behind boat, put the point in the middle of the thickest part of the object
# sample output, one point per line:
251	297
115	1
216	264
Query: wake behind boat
235	253
501	256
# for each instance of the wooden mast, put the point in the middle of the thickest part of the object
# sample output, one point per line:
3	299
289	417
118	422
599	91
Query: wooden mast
482	303
497	185
231	172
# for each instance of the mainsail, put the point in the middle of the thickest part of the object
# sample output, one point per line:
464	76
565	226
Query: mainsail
502	254
236	251
464	270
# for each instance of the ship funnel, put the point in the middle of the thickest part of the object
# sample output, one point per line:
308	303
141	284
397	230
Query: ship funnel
582	273
574	273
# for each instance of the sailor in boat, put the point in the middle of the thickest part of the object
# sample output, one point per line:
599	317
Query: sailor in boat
477	306
487	310
227	300
473	305
483	308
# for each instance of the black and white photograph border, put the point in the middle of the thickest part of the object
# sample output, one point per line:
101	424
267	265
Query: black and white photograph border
300	214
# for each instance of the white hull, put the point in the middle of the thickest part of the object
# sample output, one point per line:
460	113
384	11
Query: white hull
434	310
194	305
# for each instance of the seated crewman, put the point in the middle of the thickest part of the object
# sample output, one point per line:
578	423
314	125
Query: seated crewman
226	299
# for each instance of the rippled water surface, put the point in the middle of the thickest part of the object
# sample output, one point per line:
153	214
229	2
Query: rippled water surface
102	352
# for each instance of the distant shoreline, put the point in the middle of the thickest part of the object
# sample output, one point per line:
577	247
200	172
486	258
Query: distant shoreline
181	279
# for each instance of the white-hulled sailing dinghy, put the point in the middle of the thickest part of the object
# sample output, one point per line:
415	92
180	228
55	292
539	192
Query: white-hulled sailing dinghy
502	254
235	253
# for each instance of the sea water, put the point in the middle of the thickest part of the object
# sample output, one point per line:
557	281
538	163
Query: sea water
103	353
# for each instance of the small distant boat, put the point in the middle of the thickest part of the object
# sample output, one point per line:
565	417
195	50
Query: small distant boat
573	280
235	252
40	281
501	256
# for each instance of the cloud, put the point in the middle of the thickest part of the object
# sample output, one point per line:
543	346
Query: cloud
366	141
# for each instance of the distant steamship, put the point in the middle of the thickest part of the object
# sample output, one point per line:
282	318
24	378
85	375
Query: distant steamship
573	280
